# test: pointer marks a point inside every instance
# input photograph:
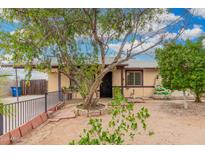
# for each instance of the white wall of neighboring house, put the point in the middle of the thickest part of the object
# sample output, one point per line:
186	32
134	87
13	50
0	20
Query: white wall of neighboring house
5	86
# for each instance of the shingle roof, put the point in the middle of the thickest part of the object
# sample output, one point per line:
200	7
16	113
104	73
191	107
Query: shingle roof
132	63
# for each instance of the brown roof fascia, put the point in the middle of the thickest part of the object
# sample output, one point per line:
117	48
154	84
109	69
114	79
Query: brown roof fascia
140	68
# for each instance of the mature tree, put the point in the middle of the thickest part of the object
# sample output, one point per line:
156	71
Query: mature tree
182	67
79	38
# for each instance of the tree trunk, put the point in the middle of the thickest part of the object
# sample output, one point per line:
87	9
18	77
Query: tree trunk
185	100
89	98
93	89
198	98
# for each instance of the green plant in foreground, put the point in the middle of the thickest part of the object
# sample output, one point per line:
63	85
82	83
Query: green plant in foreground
3	81
124	121
1	107
5	110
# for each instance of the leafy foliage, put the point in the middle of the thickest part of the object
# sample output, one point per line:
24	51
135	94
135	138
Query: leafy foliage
76	38
6	110
182	67
3	82
1	107
124	121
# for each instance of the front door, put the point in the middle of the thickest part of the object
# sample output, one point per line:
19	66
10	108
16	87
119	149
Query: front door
106	86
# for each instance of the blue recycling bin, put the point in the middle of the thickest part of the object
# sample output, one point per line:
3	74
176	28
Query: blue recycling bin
14	91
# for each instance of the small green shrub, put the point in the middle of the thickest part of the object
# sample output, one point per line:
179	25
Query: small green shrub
1	107
159	90
124	121
6	110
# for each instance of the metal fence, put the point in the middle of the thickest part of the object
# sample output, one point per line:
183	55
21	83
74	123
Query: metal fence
52	98
18	113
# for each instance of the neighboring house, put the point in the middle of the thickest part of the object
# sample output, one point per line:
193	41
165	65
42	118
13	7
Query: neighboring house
135	78
10	81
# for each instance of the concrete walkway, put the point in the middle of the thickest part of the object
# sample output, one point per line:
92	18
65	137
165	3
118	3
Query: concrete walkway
11	99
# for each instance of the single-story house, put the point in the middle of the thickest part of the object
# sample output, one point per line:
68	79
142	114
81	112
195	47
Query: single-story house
135	78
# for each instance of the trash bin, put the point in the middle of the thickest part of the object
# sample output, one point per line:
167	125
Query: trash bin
14	93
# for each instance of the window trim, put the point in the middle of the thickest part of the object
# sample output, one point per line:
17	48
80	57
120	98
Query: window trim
141	76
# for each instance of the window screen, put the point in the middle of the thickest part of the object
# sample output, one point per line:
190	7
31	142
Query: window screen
134	78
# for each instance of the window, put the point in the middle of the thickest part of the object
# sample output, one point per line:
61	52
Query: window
134	78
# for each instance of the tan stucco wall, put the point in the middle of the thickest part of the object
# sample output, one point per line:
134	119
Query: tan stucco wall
53	81
116	77
149	76
138	92
65	82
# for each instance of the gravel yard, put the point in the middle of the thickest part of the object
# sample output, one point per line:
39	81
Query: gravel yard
170	122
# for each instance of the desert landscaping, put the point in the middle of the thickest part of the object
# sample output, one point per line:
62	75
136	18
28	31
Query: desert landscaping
99	76
170	122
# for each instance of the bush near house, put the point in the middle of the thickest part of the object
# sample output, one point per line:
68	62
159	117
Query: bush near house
182	67
160	90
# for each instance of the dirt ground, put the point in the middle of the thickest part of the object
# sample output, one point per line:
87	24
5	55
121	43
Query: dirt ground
170	122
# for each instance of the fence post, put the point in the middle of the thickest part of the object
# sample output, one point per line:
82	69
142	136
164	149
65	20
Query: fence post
46	101
1	124
63	97
59	96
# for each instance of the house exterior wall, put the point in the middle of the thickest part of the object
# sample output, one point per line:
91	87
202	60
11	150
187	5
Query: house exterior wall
53	81
65	82
116	77
146	90
138	92
150	76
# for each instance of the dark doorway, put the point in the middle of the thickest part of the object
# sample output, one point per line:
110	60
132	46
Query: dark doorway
106	86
